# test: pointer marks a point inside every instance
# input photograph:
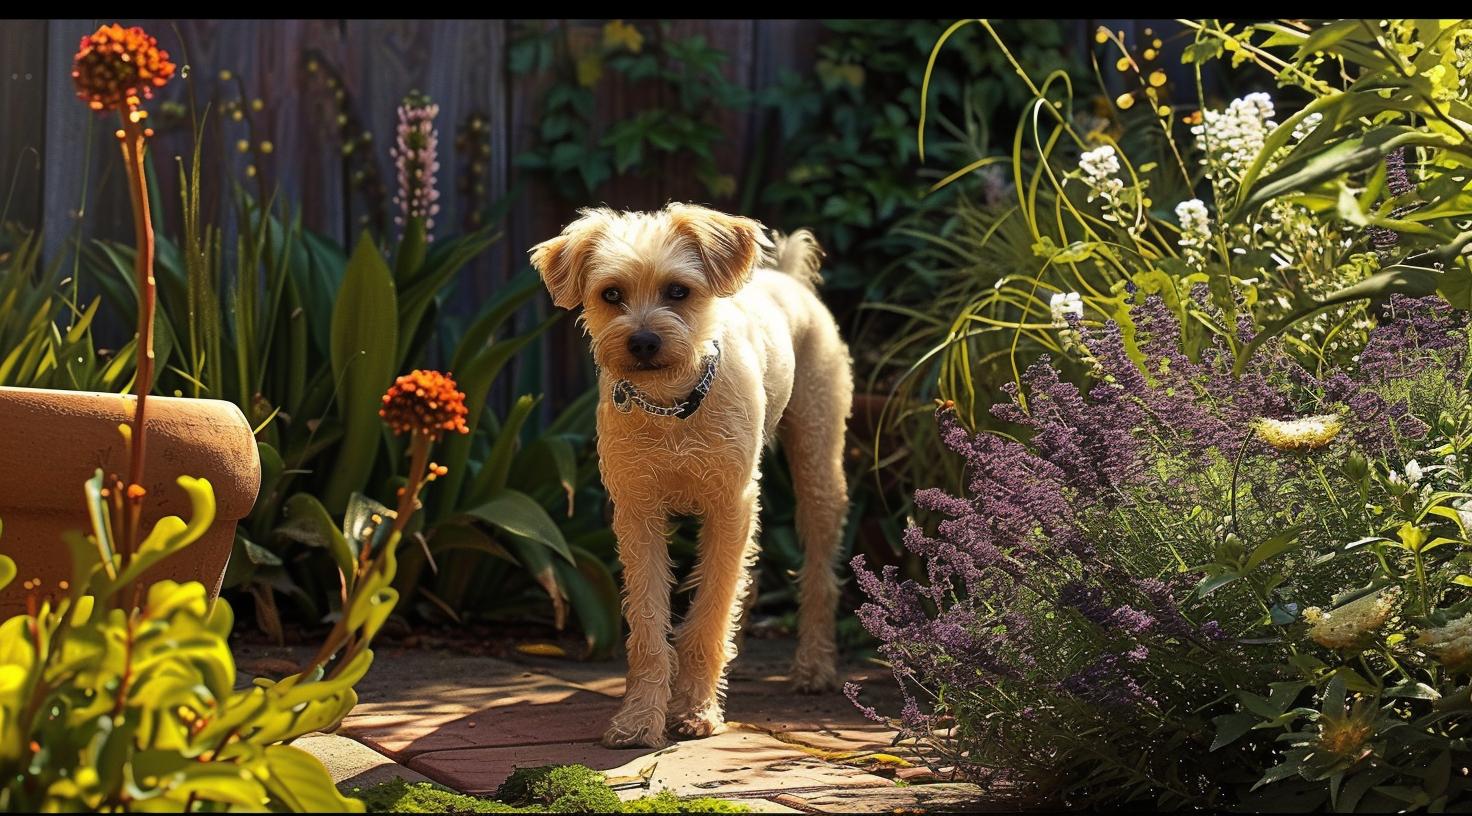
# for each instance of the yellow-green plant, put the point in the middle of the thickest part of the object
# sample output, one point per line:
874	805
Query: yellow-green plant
109	703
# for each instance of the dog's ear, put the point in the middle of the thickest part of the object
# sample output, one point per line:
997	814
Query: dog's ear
561	260
729	245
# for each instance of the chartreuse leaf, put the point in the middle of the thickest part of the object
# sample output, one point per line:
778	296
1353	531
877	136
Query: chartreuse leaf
171	533
7	571
364	339
299	780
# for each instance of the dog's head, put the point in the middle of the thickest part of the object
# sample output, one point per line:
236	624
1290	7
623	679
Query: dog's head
648	282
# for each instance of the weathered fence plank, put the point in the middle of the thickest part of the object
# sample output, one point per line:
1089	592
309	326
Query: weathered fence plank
23	99
62	157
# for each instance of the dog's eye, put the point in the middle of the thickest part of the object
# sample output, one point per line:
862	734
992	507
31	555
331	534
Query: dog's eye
677	292
612	295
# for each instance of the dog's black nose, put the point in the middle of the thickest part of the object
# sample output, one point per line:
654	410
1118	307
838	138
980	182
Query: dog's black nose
644	345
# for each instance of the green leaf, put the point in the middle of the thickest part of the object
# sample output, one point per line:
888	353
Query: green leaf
492	476
538	561
438	269
412	249
452	537
593	595
1277	545
547	459
1400	279
1230	728
367	521
364	349
1321	38
308	522
515	513
1212	583
475	379
300	781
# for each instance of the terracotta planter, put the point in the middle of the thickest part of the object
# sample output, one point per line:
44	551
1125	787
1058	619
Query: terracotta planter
51	443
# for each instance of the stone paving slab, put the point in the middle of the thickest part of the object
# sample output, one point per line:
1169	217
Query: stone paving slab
564	715
482	770
950	797
352	763
741	762
468	721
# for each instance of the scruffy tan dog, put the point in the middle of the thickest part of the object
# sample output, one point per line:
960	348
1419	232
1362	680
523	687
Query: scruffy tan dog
708	347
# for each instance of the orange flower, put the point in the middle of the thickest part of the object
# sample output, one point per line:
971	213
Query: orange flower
116	68
424	402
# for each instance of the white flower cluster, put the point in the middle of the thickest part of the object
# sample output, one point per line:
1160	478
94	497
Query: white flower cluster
1100	168
1064	304
1412	477
1231	139
1306	126
1100	171
1195	230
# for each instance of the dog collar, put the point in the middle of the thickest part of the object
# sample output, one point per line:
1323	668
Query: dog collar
626	395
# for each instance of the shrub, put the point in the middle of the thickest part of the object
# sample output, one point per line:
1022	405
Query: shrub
1182	572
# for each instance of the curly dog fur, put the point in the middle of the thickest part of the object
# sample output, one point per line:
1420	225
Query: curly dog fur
688	276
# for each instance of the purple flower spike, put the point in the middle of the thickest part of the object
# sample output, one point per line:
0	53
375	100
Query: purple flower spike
416	157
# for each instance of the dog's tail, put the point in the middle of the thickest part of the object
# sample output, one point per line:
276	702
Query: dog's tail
798	255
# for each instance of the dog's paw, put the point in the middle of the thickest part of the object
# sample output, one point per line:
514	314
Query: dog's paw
634	730
699	723
815	677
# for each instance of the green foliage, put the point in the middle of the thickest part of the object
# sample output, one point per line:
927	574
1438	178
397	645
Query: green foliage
579	784
305	338
107	704
847	154
1396	85
1277	236
38	350
579	150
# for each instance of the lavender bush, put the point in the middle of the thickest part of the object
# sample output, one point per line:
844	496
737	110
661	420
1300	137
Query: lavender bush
1185	584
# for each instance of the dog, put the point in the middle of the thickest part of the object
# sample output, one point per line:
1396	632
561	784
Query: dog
710	342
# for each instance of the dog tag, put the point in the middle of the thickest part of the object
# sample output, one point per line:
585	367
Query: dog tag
621	399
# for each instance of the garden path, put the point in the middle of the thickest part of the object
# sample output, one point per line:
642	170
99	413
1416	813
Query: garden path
467	721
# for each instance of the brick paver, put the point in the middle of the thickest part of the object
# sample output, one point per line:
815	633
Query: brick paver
467	722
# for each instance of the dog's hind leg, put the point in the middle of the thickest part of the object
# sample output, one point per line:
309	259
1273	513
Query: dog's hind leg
812	435
704	642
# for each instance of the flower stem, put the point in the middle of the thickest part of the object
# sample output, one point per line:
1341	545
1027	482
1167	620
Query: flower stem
133	144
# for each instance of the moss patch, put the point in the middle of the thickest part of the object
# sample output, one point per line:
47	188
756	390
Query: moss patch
560	789
548	789
398	796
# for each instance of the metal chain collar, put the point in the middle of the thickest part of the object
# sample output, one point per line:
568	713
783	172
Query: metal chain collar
626	395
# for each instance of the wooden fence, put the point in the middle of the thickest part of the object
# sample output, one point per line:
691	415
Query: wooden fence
59	170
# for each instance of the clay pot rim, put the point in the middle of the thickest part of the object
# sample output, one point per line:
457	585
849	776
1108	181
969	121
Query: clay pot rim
230	462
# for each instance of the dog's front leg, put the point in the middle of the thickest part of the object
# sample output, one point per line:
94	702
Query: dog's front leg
644	552
704	643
